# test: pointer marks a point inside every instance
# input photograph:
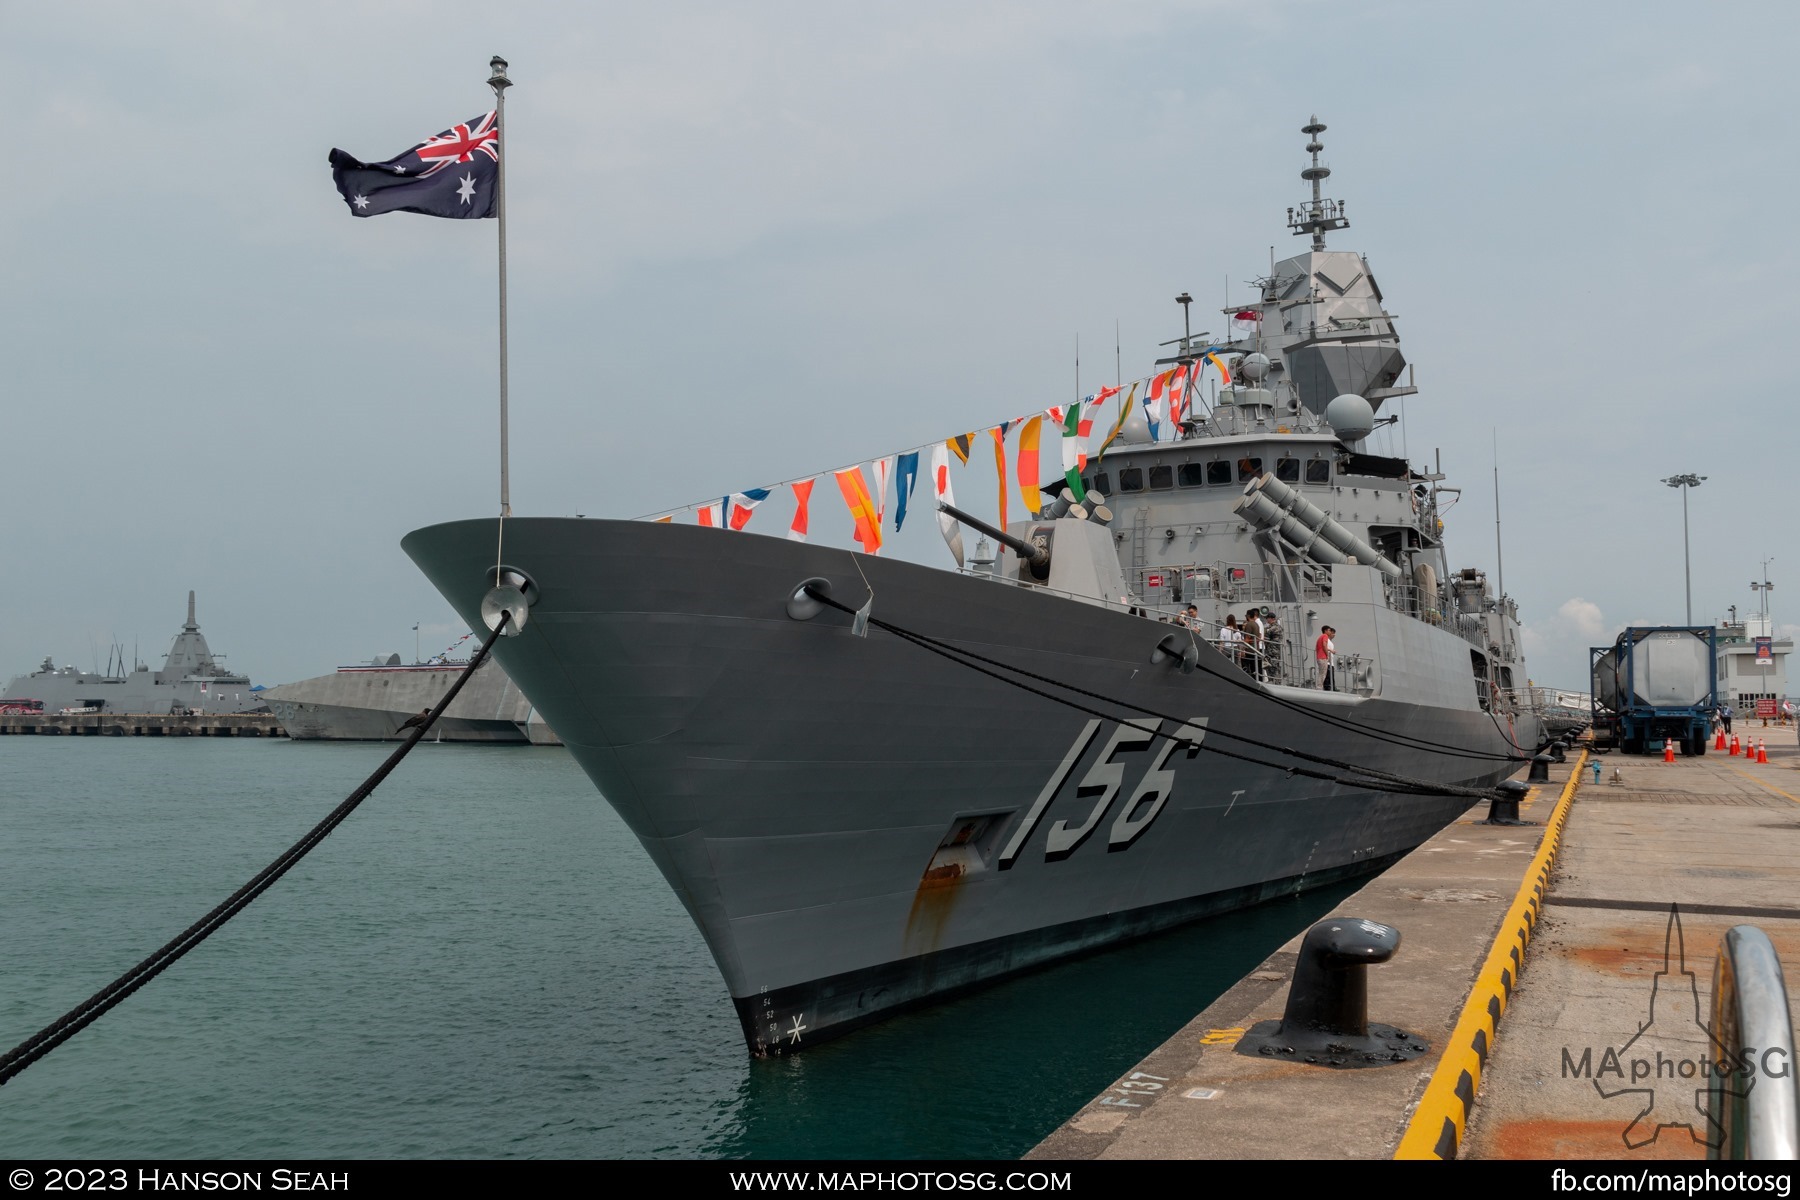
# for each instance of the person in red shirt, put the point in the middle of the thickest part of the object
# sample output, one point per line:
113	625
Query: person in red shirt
1323	650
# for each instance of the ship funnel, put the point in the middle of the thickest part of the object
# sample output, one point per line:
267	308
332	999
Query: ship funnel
1268	503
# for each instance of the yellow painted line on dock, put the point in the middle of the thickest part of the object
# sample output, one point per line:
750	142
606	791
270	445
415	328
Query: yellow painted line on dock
1770	786
1437	1124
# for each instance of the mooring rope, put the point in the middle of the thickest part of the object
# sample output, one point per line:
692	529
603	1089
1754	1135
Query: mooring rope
94	1007
1371	776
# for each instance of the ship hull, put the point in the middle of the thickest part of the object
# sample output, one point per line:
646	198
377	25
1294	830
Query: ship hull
374	704
858	825
305	722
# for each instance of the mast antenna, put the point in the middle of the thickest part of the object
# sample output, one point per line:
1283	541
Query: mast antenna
1321	216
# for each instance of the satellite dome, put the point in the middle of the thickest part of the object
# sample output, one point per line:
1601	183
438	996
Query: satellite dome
1254	367
1351	418
1135	431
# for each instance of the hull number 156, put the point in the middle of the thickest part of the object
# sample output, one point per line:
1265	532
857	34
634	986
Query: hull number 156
1104	781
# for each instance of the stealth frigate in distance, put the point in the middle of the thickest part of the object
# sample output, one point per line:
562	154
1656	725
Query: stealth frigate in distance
192	679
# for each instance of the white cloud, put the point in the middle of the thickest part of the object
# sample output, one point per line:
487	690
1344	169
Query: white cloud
1556	648
1582	617
1575	618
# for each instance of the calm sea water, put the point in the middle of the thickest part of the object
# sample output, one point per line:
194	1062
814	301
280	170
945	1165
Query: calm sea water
481	962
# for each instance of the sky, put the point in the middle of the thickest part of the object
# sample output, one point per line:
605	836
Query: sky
749	242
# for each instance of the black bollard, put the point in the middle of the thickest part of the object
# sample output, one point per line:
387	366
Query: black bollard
1326	1021
1540	769
1503	809
1558	752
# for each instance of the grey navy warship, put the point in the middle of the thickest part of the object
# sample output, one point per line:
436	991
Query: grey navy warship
874	783
373	702
192	679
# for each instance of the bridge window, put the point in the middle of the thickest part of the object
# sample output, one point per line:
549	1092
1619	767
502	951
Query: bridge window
1162	477
1131	479
1287	470
1218	473
1099	483
1191	474
1318	470
1248	469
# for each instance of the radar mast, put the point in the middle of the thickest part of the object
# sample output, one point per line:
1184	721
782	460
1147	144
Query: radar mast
1321	215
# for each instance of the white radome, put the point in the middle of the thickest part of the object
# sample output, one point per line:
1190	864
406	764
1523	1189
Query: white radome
1351	417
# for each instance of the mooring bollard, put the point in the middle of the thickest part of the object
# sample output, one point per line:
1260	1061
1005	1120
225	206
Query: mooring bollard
1326	1021
1540	769
1503	809
1558	752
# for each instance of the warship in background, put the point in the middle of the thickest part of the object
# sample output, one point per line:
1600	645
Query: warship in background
374	702
874	783
366	702
1564	713
193	680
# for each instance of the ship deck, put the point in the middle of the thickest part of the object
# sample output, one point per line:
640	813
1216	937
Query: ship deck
1718	836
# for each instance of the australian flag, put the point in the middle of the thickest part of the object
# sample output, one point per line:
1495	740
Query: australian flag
451	175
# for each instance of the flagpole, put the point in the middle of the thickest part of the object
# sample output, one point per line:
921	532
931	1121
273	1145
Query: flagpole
499	82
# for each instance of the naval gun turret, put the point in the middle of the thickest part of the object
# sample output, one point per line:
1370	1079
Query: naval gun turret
1071	552
1034	555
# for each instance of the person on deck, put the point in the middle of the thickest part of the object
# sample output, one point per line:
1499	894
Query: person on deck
1231	640
1323	650
1271	643
1253	642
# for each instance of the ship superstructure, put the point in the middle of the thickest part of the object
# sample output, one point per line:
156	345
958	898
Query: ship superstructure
1264	497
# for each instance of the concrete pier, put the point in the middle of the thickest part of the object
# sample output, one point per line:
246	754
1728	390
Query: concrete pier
1581	898
1600	1054
105	724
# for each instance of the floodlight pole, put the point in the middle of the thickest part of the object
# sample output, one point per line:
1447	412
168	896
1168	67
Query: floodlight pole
1684	482
1763	587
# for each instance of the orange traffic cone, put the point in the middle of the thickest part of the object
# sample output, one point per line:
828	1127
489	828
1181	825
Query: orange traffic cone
1762	752
1719	744
1668	749
1734	743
